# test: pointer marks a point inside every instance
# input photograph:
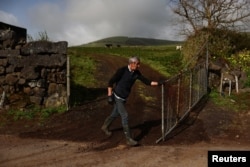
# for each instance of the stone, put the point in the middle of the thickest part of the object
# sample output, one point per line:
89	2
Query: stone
52	88
36	100
8	38
9	53
29	73
11	79
2	70
45	47
55	101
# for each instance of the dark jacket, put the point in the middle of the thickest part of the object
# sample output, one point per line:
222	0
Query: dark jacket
124	80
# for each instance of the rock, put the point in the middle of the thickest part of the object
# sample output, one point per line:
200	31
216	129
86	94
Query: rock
29	73
55	101
45	47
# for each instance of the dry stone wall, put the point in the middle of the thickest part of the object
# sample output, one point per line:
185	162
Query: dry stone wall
34	73
12	37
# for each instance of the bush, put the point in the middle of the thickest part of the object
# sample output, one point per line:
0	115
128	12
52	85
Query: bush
221	43
241	61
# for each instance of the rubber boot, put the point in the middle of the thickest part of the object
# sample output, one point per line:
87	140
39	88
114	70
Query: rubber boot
127	133
105	126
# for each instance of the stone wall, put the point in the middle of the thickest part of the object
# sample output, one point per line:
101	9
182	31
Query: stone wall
11	36
33	73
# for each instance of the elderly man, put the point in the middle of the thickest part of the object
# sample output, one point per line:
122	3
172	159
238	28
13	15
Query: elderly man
124	78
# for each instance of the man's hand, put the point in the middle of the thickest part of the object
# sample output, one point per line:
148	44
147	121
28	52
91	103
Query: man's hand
111	99
161	82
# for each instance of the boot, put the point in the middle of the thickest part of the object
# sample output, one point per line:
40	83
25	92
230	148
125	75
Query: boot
127	133
105	126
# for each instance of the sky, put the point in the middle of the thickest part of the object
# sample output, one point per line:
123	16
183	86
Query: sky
83	21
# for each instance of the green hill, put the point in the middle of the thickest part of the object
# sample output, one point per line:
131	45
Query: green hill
129	41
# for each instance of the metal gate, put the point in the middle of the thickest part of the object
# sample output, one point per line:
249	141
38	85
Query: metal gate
179	95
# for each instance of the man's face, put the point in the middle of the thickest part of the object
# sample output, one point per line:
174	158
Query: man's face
134	65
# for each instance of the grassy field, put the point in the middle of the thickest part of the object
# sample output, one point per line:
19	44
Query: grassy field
164	59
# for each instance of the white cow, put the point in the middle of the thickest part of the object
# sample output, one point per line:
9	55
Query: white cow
178	47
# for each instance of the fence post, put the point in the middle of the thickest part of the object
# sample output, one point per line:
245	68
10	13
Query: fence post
162	115
162	112
68	83
190	89
178	99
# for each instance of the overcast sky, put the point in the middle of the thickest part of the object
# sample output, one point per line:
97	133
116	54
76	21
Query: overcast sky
83	21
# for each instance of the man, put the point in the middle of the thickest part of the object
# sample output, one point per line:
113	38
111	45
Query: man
124	78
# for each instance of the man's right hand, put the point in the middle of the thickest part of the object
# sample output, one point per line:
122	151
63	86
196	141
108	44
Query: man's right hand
110	99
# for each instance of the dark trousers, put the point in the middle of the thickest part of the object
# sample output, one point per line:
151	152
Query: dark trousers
120	110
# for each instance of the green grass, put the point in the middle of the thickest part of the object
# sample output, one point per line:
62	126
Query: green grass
165	59
34	112
234	102
82	67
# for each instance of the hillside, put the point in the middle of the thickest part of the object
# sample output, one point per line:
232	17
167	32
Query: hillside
129	41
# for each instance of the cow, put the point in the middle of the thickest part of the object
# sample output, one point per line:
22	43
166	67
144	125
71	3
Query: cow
178	47
108	45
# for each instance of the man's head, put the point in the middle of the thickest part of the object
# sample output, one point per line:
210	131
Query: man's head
134	63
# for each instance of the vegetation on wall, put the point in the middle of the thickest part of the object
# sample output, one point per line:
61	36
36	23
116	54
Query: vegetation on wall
41	36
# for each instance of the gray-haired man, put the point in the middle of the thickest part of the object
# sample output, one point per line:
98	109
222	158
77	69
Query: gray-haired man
124	78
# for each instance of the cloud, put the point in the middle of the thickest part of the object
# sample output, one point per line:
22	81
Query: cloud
83	21
8	18
139	18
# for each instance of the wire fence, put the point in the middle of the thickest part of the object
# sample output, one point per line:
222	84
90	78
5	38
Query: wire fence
179	95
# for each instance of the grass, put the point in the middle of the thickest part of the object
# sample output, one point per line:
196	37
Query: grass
235	102
82	67
164	59
34	112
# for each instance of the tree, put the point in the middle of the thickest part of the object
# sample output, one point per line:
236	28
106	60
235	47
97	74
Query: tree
218	24
212	14
214	21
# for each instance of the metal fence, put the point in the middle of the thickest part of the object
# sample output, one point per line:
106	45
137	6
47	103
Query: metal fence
179	95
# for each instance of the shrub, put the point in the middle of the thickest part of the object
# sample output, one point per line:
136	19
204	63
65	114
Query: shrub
221	43
241	61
